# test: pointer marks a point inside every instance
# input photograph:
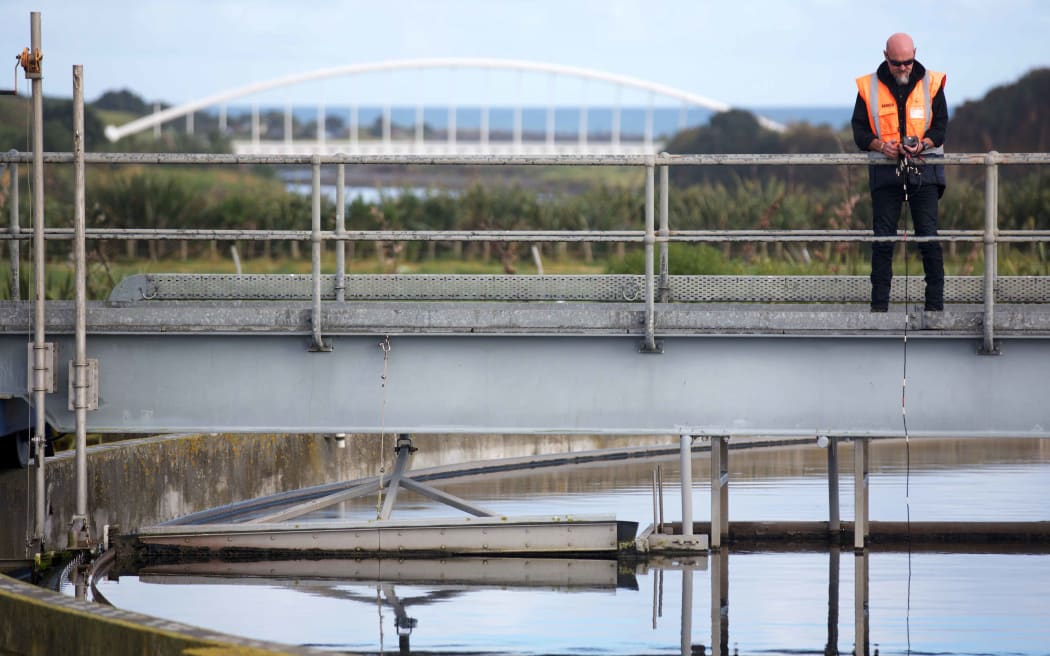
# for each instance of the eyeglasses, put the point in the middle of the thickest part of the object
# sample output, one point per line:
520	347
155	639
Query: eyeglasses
901	62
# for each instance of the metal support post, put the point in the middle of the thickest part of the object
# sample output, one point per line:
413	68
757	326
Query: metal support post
340	231
860	492
686	454
664	293
719	490
404	450
79	531
41	371
834	521
991	264
15	245
315	256
649	345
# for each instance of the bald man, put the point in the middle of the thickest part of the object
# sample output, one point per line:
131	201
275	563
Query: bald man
902	115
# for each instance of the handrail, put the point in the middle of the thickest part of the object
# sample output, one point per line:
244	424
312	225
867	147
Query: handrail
536	236
662	159
650	237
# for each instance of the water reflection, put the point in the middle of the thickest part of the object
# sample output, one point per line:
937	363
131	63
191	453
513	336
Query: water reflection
784	602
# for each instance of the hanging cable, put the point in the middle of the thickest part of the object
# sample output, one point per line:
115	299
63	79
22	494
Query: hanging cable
384	345
906	166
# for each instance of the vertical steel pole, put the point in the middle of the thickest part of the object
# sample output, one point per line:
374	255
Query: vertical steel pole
719	490
834	522
991	230
656	514
39	347
340	231
80	364
685	443
315	254
15	247
650	240
665	232
860	492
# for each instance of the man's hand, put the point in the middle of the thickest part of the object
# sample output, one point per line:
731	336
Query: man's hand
891	149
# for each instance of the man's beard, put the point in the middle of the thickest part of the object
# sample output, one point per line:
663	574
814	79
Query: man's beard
902	79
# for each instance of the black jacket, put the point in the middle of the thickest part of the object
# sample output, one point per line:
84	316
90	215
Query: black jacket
882	176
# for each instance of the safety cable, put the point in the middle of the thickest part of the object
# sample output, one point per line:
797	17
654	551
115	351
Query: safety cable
904	168
384	345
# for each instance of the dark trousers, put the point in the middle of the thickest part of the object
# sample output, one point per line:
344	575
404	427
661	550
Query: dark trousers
886	203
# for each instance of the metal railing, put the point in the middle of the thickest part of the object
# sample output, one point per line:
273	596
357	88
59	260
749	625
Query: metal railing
657	232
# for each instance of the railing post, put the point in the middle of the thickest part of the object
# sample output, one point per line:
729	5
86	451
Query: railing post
991	263
315	256
41	382
665	231
340	231
15	247
80	367
834	521
649	345
719	490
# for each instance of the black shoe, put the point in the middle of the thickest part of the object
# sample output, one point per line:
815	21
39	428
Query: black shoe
931	307
880	308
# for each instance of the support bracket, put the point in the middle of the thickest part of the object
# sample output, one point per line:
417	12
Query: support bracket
90	384
46	378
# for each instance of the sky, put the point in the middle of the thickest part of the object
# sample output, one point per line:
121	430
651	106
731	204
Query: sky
746	53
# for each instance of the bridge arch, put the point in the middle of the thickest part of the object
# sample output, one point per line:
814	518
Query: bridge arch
115	133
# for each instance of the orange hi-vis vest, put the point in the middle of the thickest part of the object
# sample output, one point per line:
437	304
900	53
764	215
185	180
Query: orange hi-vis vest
918	112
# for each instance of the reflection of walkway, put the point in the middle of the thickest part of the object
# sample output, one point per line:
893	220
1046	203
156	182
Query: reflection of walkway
455	578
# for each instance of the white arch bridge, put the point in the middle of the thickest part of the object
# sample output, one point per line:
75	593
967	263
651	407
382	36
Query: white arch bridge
418	138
